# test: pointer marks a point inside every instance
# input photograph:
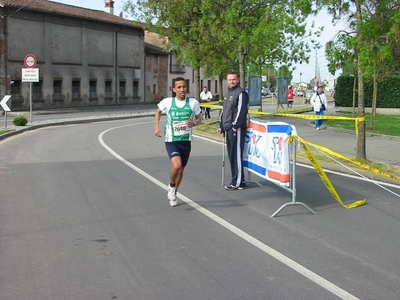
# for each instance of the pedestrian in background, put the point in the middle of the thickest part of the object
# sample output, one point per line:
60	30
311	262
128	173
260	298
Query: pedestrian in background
233	122
206	96
290	96
183	114
320	104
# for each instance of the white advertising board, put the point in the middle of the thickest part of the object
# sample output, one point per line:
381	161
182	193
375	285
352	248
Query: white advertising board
30	75
266	151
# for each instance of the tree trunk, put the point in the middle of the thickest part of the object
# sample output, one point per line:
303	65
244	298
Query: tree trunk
221	87
242	67
396	56
361	152
354	95
374	99
375	96
197	88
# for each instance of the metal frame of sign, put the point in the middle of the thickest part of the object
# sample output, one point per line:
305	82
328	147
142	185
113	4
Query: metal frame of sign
256	161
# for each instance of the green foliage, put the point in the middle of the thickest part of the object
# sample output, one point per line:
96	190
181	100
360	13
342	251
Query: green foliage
344	91
372	40
228	35
388	92
4	131
20	121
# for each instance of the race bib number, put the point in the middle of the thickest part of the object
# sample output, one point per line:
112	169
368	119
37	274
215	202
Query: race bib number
180	128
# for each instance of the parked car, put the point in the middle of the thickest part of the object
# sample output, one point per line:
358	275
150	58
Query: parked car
309	94
266	92
300	93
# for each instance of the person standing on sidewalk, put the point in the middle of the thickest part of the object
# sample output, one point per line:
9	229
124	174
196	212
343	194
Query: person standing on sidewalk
183	113
233	123
320	104
206	96
290	96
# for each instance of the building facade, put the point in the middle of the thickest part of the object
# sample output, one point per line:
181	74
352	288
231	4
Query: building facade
176	69
85	57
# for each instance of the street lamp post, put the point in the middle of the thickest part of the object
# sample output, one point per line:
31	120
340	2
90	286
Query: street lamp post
300	79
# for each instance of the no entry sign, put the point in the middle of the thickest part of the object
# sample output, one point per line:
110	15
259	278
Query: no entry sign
30	61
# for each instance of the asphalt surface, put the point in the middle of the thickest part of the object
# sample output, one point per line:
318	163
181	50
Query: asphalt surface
84	215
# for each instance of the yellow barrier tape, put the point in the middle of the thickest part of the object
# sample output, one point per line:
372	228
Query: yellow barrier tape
354	161
313	117
215	104
323	175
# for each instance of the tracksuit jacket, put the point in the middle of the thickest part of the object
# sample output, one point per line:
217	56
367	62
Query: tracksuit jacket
234	115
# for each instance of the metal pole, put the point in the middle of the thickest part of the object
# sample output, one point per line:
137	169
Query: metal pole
223	158
5	119
30	102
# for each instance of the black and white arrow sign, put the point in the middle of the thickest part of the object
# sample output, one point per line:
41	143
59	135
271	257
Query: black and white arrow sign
3	103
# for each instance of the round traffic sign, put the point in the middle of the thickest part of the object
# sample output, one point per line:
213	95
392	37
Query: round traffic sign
30	61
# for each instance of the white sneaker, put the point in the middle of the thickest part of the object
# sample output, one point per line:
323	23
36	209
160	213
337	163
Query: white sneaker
172	196
318	128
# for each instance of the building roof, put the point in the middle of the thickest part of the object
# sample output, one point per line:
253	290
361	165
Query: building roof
153	49
68	10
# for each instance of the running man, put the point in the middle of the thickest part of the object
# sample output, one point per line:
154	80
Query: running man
183	113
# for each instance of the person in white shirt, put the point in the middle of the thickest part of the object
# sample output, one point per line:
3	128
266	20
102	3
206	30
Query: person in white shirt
206	96
183	113
320	104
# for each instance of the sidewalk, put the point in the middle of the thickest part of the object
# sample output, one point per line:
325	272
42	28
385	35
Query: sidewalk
379	148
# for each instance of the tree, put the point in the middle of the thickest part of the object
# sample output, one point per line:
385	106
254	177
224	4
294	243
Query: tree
225	35
188	34
372	24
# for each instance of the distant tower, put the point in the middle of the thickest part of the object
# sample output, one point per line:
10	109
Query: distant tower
109	6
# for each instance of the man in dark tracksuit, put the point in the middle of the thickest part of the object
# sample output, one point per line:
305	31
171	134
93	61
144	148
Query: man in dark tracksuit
233	122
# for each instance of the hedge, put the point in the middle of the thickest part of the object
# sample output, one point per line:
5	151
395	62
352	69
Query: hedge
388	92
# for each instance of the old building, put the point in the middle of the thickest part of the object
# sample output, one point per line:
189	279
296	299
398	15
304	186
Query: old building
84	57
156	67
177	69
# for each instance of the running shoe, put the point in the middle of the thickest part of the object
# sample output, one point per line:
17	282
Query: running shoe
172	196
232	187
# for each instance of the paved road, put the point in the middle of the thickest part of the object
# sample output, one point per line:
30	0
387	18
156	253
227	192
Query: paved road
84	215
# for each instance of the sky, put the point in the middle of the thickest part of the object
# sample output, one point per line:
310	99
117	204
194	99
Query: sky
307	70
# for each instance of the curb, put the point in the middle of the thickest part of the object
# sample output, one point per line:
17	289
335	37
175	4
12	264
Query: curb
23	129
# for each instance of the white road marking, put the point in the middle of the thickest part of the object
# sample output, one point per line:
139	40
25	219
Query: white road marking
329	286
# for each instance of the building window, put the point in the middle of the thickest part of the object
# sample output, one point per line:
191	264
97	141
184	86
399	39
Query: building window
187	85
154	89
16	91
174	66
216	86
209	85
93	89
76	89
108	89
135	89
57	85
37	91
155	63
122	89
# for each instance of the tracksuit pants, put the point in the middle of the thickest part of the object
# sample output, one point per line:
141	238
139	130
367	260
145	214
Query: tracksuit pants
235	145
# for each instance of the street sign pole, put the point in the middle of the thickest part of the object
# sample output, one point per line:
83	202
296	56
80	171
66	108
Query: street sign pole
30	102
30	62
